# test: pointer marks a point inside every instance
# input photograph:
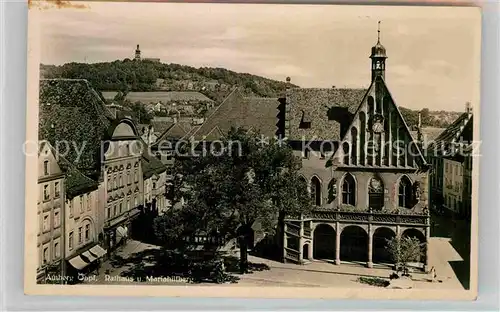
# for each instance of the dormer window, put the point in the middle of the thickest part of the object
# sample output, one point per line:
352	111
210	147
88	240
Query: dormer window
305	122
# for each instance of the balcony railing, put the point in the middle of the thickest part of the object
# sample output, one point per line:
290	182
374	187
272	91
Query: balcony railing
363	217
291	254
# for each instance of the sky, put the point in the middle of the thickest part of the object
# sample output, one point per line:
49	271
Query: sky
433	53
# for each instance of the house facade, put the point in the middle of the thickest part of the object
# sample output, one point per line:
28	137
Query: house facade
450	155
122	185
50	211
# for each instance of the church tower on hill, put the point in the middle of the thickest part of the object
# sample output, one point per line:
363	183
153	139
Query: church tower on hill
137	54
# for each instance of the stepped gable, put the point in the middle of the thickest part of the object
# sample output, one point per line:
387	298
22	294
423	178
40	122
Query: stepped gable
252	113
71	112
321	114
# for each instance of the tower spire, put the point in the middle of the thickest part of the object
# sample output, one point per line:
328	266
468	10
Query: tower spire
378	32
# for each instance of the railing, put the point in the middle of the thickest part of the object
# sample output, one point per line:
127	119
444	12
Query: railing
293	229
307	232
292	254
364	217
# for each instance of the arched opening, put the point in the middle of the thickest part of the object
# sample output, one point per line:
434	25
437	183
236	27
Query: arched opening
305	251
345	148
380	238
371	105
316	191
324	238
405	192
413	233
354	244
349	190
376	193
332	190
362	131
354	146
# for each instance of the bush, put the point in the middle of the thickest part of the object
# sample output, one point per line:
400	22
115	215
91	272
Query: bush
373	281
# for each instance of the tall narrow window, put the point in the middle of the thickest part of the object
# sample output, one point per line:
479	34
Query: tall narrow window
405	193
70	240
46	258
332	190
57	251
46	194
362	135
46	167
57	189
80	235
354	146
87	232
349	190
316	191
345	148
81	204
376	193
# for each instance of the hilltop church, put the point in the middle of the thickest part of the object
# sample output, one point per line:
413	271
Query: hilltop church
366	175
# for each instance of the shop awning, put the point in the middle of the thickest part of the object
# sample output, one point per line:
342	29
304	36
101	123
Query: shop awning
98	251
78	263
121	232
89	256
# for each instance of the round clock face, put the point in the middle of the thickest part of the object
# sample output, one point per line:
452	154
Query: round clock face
378	124
378	127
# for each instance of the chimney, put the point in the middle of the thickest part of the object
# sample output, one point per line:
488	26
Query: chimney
468	108
150	135
112	108
419	127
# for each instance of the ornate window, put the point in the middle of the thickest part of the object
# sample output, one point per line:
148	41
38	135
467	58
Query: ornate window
349	190
376	193
405	193
332	190
316	191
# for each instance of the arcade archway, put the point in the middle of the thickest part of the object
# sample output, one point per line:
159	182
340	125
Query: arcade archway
354	244
324	242
380	238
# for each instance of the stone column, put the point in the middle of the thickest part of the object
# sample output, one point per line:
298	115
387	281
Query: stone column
311	246
370	247
337	244
301	242
427	236
284	242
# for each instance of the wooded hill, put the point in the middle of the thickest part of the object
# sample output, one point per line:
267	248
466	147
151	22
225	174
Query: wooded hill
128	75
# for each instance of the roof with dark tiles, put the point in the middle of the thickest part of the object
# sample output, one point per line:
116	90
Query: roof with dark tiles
150	164
71	111
326	110
251	113
460	131
76	183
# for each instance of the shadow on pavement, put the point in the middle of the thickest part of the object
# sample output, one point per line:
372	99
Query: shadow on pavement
462	271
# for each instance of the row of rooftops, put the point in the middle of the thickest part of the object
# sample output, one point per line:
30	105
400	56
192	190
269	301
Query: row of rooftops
72	115
71	110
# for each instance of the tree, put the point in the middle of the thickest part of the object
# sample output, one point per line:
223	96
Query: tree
404	250
229	189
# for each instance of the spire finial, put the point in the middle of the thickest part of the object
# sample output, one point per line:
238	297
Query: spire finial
378	32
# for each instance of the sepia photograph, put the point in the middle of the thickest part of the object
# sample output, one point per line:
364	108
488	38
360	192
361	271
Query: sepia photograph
183	149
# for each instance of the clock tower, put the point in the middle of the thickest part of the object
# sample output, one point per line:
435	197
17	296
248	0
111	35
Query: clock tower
378	57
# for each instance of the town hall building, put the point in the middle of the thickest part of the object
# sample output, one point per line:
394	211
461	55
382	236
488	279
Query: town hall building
366	174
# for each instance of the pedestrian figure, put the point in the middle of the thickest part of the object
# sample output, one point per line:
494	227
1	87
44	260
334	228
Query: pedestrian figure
433	274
